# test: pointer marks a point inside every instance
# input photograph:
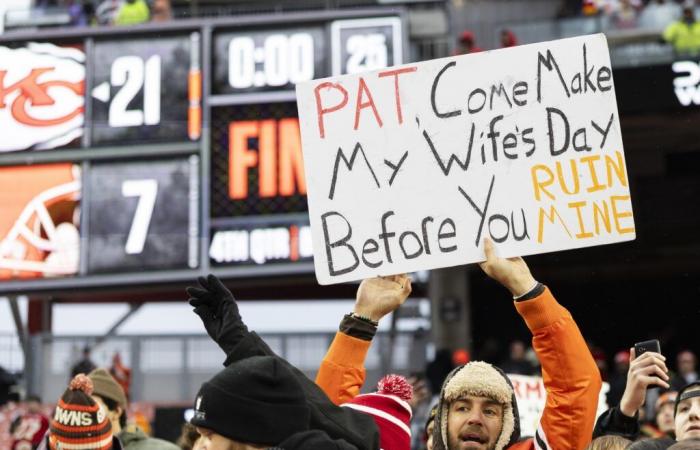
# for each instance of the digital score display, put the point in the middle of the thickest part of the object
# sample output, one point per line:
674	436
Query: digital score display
256	61
361	45
143	215
141	89
256	161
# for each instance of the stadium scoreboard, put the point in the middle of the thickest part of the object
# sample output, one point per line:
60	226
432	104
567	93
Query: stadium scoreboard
158	153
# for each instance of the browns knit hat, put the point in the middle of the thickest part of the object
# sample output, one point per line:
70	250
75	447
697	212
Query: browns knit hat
79	423
390	411
107	387
257	400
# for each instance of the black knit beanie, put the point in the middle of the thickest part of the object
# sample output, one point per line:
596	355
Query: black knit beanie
256	400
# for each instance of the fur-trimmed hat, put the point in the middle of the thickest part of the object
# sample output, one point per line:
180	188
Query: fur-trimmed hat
479	379
390	411
79	423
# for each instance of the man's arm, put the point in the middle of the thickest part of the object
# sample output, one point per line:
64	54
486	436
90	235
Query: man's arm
342	372
647	370
217	308
570	375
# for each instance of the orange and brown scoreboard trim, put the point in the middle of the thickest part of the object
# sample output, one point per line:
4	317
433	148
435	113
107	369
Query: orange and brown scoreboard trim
157	153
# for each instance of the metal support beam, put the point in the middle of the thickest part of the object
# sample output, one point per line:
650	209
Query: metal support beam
21	329
449	294
23	337
388	356
133	307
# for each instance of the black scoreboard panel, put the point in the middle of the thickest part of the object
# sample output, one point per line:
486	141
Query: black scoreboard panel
257	166
262	60
272	241
140	89
103	167
360	45
141	216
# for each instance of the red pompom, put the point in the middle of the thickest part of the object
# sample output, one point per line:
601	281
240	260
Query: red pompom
395	385
81	382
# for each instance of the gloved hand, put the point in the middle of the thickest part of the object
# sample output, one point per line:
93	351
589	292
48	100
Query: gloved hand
217	308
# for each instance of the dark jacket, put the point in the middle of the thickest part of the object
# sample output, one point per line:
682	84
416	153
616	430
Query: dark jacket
345	424
613	422
133	438
313	440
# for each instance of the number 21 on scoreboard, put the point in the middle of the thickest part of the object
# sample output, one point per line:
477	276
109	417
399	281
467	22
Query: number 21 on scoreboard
135	74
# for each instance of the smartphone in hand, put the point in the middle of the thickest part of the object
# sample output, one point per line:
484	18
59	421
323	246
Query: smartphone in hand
647	346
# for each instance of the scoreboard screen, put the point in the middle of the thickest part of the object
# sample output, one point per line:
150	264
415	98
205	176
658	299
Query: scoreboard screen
166	151
129	81
262	60
156	224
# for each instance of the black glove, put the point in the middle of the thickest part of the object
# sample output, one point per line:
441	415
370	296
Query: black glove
217	308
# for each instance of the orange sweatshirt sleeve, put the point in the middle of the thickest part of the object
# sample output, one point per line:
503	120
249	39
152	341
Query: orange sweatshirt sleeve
570	375
342	372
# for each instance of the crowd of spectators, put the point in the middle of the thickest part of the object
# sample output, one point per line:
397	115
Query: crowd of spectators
110	12
675	23
676	19
261	401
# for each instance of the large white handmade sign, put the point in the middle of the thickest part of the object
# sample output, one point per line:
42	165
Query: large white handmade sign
411	167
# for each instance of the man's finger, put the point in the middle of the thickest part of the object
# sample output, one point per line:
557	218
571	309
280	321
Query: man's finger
651	358
216	285
407	287
652	380
652	355
196	292
203	282
633	354
489	250
205	312
398	279
196	302
651	370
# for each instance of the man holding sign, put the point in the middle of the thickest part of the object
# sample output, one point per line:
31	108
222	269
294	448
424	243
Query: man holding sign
411	168
478	409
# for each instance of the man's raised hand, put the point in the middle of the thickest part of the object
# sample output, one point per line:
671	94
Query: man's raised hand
647	370
377	297
512	273
217	308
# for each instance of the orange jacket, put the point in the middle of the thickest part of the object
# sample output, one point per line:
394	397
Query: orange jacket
569	373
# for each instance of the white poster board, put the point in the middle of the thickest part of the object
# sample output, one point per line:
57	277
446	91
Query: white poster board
410	168
532	396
